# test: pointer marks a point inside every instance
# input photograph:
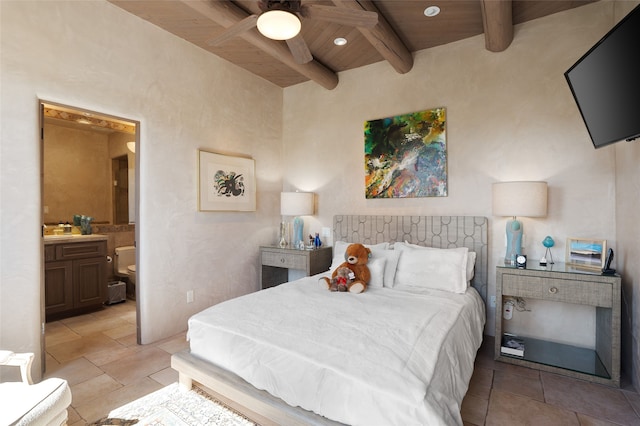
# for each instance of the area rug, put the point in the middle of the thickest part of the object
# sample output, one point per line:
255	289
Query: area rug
171	406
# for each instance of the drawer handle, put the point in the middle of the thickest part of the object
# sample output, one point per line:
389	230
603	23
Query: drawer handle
553	290
282	260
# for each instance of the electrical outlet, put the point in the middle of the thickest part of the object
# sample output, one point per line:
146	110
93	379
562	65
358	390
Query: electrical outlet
190	296
492	302
326	232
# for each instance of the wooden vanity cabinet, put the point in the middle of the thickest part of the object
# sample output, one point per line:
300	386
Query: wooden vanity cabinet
75	278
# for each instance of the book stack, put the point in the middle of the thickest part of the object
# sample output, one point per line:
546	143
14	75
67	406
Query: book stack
512	345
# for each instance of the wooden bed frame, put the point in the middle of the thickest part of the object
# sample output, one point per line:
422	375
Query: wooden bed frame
431	231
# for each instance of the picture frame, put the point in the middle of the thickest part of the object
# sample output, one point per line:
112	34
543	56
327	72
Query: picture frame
586	253
405	155
225	182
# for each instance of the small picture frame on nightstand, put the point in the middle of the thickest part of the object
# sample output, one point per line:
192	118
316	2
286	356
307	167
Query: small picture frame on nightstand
586	253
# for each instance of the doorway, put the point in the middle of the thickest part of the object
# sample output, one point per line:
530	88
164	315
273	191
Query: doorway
89	168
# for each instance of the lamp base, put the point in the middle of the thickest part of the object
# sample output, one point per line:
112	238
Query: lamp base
514	241
298	228
283	235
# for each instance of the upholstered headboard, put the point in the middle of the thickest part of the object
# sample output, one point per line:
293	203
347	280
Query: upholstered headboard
429	231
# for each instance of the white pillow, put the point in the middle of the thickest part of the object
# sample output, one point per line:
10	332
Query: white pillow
440	269
377	261
340	247
471	258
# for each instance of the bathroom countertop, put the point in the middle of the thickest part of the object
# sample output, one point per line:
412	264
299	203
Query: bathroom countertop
73	238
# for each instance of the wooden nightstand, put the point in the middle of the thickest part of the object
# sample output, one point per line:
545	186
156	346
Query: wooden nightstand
566	284
277	261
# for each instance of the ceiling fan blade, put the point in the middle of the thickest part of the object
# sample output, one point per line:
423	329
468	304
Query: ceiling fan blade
340	15
241	26
299	49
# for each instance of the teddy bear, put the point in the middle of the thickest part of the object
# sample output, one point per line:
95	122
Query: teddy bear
356	258
341	280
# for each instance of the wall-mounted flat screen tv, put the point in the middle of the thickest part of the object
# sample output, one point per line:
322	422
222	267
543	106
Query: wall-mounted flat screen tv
605	83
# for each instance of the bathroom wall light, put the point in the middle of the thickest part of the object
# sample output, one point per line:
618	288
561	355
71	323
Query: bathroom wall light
131	146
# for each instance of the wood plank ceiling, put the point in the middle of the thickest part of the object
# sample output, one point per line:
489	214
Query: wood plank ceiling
402	29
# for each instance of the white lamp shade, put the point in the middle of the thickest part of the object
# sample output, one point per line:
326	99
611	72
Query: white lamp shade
527	199
296	203
279	25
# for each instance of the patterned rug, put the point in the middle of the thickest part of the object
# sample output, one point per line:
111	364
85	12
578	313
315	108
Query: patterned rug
171	406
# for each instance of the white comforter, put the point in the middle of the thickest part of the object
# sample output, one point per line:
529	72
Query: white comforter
383	357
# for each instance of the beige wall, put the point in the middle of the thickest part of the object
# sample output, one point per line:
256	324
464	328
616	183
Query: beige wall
95	56
628	232
511	116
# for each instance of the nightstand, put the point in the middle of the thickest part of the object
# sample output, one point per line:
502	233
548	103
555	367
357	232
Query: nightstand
563	283
277	261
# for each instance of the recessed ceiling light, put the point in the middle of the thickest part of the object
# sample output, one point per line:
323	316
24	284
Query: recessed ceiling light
431	11
340	41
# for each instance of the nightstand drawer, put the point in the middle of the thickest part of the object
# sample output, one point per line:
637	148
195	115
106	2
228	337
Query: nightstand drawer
284	260
522	286
580	292
558	290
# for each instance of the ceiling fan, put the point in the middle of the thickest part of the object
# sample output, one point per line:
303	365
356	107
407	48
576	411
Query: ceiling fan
280	20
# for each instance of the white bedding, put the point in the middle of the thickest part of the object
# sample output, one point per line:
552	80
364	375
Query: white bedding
383	357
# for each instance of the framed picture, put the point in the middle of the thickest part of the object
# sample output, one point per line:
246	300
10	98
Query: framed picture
405	156
586	253
226	183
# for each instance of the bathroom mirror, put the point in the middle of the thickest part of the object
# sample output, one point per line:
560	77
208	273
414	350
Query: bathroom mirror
88	166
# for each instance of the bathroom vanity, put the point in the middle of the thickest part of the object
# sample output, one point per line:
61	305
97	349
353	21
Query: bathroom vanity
75	274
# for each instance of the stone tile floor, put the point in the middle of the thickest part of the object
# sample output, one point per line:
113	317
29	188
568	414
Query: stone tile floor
97	353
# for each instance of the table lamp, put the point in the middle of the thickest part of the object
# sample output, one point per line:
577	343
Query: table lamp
295	204
528	199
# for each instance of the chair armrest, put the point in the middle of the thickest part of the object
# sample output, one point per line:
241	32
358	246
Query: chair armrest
22	360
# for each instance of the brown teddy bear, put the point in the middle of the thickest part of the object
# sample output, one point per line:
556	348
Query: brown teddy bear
356	258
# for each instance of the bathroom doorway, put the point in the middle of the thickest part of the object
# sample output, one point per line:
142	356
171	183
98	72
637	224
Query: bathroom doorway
89	167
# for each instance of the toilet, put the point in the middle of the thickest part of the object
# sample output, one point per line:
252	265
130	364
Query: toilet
125	267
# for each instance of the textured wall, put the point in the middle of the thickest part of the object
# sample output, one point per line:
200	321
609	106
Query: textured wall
511	116
628	249
94	55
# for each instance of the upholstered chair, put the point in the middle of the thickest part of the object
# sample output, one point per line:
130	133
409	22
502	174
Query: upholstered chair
26	403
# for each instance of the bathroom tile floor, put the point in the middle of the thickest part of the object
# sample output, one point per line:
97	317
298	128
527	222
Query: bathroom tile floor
98	355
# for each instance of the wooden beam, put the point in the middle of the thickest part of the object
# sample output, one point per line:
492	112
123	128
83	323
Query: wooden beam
497	19
227	14
382	37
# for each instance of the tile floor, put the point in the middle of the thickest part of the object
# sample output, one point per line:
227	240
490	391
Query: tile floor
105	367
98	355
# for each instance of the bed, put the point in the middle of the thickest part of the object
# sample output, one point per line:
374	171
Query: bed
400	353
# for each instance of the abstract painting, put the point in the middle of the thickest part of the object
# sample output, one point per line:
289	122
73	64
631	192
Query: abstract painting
406	155
226	183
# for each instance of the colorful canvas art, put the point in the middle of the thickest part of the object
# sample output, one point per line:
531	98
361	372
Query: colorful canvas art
406	155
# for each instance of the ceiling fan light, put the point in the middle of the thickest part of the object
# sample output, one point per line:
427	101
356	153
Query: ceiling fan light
279	25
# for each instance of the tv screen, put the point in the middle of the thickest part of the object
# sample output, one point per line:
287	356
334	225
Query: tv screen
605	83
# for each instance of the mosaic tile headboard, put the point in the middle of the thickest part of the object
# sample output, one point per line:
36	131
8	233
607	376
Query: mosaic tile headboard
429	231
